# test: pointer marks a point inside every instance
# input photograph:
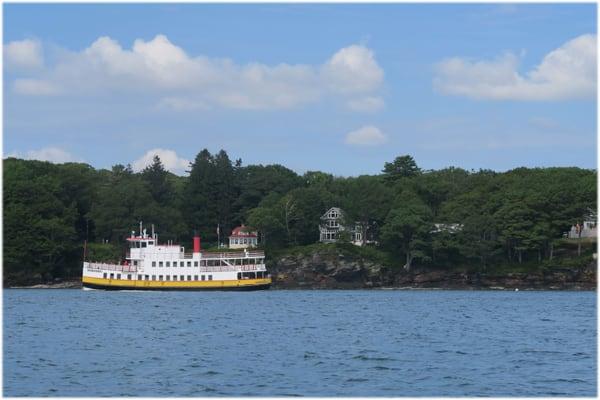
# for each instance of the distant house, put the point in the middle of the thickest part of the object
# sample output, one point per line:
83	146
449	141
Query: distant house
332	225
450	228
589	227
243	237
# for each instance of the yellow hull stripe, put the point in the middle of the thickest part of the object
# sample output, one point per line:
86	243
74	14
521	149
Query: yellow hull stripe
176	284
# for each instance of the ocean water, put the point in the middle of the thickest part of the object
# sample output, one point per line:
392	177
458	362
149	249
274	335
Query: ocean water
299	343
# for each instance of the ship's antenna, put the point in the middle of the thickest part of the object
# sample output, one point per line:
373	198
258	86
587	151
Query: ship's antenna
153	237
140	228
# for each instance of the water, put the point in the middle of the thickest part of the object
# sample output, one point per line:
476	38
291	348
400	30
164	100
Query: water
312	343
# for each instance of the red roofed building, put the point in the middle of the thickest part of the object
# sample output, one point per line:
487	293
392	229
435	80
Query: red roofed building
243	237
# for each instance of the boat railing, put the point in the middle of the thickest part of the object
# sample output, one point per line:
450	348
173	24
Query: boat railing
110	267
234	254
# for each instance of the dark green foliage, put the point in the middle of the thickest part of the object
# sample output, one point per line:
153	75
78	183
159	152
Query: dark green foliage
513	219
401	167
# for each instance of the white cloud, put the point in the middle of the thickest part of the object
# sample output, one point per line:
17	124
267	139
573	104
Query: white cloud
35	87
565	73
181	104
52	154
353	69
170	160
366	104
23	54
182	82
366	136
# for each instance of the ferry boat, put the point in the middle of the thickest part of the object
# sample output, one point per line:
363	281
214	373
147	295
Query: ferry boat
149	265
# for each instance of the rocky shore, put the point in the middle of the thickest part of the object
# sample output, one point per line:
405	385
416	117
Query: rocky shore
327	271
53	285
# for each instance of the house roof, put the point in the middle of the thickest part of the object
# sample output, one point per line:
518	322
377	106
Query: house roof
243	231
337	209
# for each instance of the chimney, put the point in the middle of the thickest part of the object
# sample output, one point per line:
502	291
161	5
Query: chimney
196	243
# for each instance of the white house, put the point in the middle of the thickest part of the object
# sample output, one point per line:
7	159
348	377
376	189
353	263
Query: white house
332	225
243	237
589	227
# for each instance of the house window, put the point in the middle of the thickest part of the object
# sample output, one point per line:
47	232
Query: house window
182	264
189	263
195	263
154	263
175	263
168	262
160	263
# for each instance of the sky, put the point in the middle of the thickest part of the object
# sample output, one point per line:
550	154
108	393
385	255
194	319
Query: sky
338	88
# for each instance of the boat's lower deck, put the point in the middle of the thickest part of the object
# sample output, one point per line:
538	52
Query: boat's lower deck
125	284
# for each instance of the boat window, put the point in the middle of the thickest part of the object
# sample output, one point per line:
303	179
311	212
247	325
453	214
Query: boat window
144	244
203	277
195	263
154	263
203	263
195	277
169	264
210	277
189	277
104	275
137	245
150	243
160	263
135	263
239	275
129	277
182	277
147	277
153	277
182	264
112	276
160	277
168	277
189	263
174	277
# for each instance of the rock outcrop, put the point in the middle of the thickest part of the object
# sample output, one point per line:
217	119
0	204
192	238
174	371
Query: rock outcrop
335	270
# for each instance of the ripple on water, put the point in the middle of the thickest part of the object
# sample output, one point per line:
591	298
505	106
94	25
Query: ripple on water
301	343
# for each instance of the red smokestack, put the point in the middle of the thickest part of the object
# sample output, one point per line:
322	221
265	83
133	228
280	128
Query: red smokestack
196	244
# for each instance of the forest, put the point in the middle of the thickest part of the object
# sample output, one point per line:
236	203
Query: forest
513	217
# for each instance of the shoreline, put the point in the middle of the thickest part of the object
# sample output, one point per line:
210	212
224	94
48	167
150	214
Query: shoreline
78	285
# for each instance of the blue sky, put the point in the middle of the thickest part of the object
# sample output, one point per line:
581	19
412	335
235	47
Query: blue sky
338	88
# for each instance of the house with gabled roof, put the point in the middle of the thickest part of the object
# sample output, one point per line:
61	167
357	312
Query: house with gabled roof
332	224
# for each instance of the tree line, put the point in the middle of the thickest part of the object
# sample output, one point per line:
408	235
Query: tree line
50	210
